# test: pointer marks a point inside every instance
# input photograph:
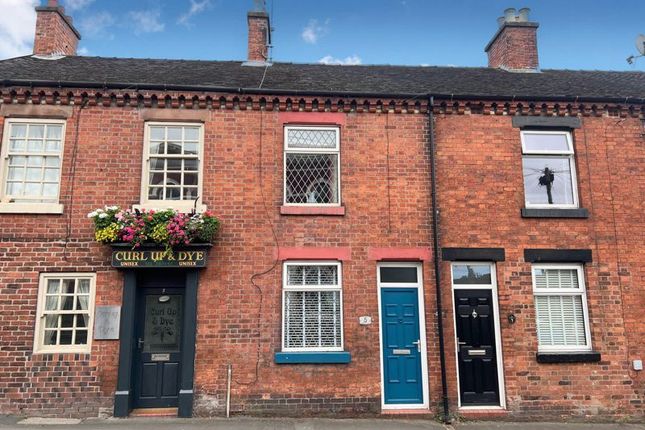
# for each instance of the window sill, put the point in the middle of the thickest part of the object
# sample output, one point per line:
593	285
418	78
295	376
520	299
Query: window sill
568	357
340	357
31	208
163	205
313	210
554	213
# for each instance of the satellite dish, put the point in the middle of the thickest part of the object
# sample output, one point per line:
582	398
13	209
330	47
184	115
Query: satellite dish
640	44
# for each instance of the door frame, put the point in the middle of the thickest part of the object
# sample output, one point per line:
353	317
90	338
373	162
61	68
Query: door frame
496	323
423	356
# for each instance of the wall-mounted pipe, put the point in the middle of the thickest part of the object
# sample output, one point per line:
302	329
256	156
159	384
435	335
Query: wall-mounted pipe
229	377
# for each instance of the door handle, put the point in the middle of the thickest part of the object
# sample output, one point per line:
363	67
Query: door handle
140	343
418	344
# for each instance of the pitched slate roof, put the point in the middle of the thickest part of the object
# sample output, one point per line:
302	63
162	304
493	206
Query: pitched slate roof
462	82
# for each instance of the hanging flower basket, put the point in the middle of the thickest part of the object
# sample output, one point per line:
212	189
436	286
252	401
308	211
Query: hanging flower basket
167	228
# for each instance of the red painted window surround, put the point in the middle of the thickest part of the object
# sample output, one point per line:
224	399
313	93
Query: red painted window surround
399	254
312	210
312	118
314	253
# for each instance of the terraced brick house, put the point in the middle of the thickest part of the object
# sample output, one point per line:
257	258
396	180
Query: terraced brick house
393	239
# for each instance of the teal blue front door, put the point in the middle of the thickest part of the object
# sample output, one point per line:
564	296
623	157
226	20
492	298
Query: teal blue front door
402	375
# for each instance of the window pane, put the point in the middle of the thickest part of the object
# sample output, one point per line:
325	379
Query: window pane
174	164
50	337
51	321
82	320
17	145
172	193
173	148
54	132
81	337
36	131
471	274
19	130
155	193
156	147
312	319
191	133
35	146
312	178
83	286
65	337
318	275
67	321
545	142
51	175
67	303
174	133
173	178
190	178
560	321
308	138
190	148
157	163
52	146
157	133
69	286
190	193
399	274
35	161
81	303
556	278
190	164
32	189
547	180
53	286
50	190
51	303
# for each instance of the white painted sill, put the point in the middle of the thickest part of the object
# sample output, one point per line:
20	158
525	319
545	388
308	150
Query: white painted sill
163	205
31	208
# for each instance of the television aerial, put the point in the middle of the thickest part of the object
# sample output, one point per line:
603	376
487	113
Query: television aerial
640	46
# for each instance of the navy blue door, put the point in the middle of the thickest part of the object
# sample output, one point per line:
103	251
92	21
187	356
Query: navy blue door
157	362
402	374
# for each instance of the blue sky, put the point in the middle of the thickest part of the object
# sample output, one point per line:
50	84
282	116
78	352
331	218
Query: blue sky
573	34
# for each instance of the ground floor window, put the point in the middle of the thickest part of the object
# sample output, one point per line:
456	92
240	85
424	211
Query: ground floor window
562	319
64	314
312	307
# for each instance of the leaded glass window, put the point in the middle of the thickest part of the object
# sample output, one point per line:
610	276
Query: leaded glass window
312	158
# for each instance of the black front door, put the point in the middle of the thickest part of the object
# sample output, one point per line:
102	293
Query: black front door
158	332
478	383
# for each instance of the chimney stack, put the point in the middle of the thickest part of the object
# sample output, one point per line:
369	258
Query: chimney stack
55	32
514	46
259	33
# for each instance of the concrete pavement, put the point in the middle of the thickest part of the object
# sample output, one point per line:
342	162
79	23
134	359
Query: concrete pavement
238	423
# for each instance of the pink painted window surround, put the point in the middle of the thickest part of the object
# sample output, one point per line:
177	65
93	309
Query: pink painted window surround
314	253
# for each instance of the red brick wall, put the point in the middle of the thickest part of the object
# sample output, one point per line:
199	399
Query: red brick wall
514	48
386	196
480	196
53	34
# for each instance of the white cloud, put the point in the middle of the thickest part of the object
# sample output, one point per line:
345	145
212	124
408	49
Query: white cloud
83	51
314	30
73	5
17	27
196	7
96	25
146	21
352	60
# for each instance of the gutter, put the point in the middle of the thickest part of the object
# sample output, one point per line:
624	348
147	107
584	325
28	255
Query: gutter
435	258
268	91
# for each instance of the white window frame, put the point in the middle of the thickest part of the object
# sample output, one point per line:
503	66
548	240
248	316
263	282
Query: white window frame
39	331
496	324
338	287
179	205
541	152
582	292
287	150
28	207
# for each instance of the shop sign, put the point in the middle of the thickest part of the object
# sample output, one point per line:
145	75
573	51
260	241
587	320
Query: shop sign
128	258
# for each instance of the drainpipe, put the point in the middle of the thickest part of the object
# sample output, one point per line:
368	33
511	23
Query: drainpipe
435	257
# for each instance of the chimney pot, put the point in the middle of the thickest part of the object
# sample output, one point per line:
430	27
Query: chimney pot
514	45
509	14
524	14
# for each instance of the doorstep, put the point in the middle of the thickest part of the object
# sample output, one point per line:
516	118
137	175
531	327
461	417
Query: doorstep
405	412
154	412
482	413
